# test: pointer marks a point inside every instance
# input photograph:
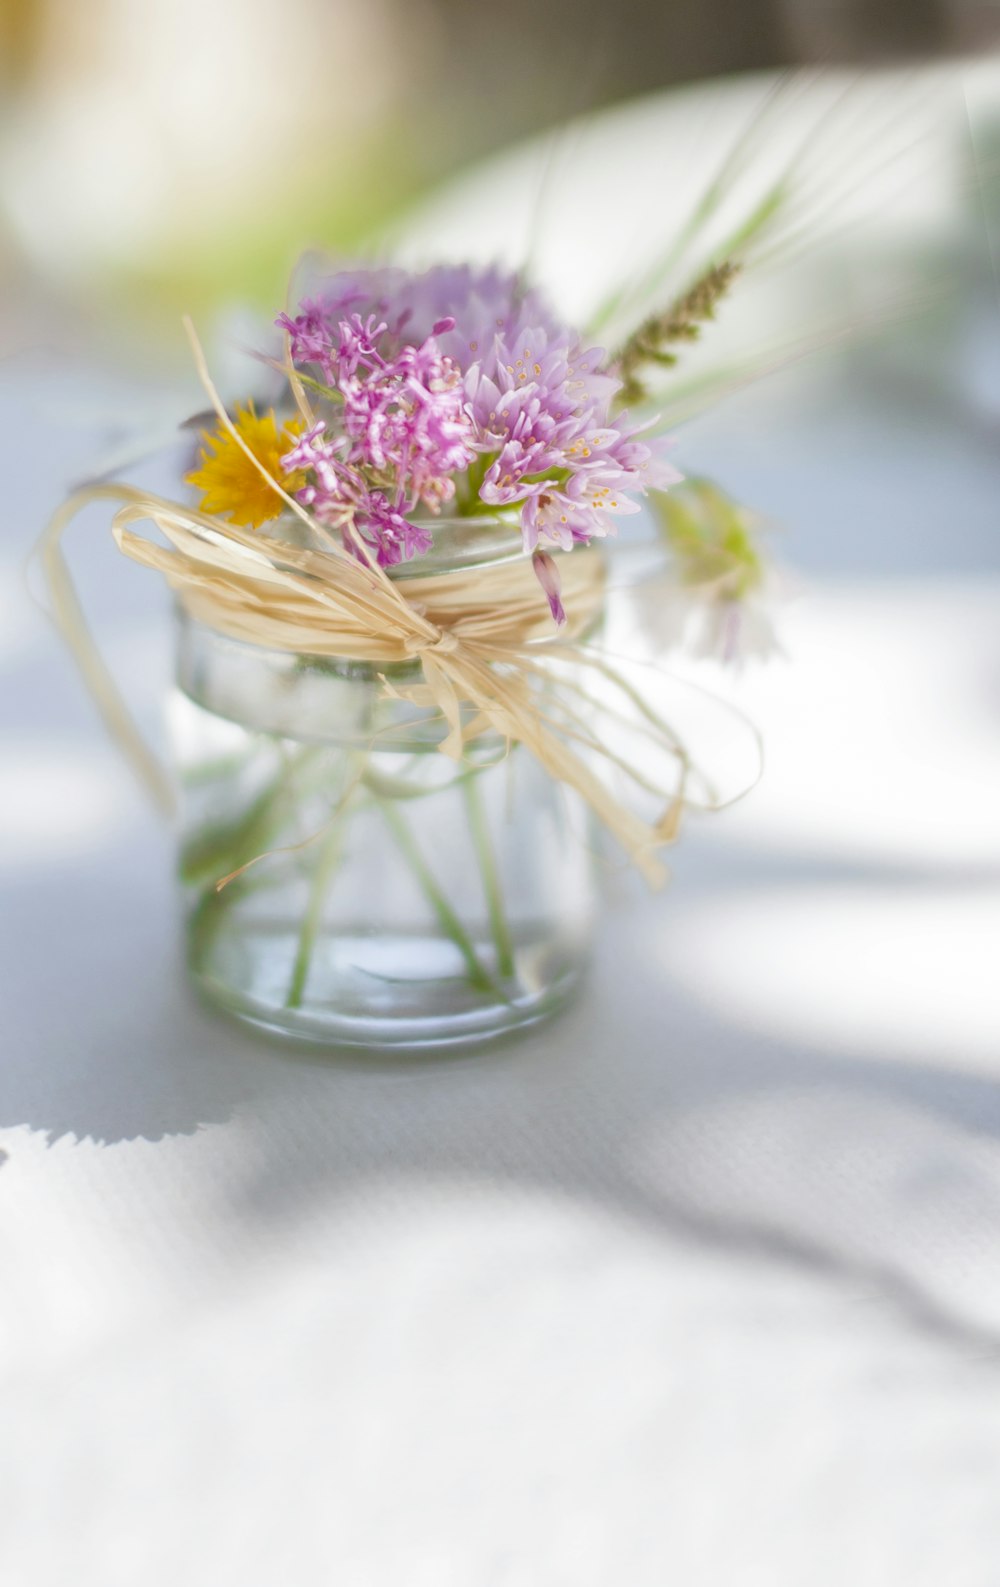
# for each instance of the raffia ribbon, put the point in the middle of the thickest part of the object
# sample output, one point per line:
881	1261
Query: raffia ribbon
483	637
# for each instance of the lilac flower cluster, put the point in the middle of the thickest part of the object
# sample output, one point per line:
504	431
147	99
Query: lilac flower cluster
401	437
460	384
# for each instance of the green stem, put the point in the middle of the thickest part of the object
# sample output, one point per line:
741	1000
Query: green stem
326	864
479	976
469	504
491	879
215	851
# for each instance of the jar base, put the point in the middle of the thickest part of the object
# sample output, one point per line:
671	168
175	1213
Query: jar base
364	1008
399	1035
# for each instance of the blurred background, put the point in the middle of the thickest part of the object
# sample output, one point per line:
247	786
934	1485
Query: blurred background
702	1284
158	157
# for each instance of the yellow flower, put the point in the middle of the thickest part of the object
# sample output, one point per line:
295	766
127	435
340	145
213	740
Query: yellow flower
230	484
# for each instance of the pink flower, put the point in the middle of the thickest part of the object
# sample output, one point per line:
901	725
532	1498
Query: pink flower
310	337
573	470
432	371
386	532
405	431
548	577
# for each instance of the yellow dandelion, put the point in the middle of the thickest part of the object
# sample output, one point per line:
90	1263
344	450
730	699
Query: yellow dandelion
230	484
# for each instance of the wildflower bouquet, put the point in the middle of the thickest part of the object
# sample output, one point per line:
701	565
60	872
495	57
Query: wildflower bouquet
452	390
399	556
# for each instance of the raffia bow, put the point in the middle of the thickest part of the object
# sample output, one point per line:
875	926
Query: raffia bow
483	637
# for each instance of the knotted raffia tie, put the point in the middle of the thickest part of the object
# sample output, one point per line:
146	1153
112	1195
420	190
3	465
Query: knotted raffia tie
490	657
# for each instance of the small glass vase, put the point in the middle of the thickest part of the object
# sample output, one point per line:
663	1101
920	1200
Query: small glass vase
377	893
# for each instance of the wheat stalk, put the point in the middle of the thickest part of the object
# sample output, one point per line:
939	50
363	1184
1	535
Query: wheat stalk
681	321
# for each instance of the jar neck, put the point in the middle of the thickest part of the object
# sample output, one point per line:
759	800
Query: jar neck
475	540
304	698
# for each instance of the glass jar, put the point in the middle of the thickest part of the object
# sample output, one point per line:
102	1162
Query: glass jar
376	893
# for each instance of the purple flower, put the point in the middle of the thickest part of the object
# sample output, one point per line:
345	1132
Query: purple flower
339	494
340	498
548	577
310	337
481	304
316	452
433	371
358	346
386	532
405	429
546	405
405	416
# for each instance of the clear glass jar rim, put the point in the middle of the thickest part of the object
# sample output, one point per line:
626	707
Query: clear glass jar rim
477	540
474	540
